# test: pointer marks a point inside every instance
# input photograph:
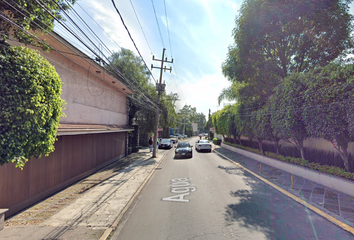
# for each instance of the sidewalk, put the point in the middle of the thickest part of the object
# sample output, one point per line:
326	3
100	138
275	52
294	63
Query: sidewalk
336	204
88	208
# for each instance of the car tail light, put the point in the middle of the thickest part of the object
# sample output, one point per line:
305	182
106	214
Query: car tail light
200	145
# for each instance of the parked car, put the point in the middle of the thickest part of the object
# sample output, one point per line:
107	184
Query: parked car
174	140
179	136
203	145
165	143
184	149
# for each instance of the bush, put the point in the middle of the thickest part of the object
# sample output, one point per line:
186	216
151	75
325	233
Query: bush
216	141
30	105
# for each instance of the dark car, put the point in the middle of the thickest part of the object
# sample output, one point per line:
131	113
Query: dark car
165	143
183	149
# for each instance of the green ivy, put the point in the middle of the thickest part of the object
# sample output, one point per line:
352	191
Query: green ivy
30	105
336	171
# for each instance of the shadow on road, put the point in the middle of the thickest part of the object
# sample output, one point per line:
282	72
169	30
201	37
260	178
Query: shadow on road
263	209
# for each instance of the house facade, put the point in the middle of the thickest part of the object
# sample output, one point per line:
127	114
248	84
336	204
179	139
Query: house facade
93	134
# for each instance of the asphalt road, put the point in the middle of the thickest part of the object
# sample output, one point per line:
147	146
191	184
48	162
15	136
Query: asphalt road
208	197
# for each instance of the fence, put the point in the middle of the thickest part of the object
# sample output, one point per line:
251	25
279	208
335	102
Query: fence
74	158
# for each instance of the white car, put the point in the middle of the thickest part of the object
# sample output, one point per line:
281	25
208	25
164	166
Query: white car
203	145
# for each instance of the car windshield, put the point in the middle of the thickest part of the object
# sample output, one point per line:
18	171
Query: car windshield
203	141
165	141
183	144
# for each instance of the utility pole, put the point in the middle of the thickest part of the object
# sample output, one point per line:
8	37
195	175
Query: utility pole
208	125
159	87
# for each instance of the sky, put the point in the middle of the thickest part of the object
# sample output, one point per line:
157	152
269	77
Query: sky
195	33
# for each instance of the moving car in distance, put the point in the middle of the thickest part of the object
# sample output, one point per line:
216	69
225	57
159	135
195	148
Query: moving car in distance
165	143
183	149
203	145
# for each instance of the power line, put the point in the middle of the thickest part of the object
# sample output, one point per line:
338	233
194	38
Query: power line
99	50
168	30
131	3
157	22
131	38
141	103
97	24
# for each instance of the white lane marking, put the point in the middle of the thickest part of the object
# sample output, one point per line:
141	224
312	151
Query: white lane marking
180	186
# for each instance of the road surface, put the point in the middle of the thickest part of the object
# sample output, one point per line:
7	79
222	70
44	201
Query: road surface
208	197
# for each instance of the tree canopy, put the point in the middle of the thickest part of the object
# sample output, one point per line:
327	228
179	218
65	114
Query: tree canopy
132	71
276	43
142	104
188	115
328	106
275	38
30	15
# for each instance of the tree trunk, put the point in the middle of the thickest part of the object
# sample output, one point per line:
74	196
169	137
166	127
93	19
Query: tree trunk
299	143
234	137
343	152
302	152
345	158
239	140
277	146
260	144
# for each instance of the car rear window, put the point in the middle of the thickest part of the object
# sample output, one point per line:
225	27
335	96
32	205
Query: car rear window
183	145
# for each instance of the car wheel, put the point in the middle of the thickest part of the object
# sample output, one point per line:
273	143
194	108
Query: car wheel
191	155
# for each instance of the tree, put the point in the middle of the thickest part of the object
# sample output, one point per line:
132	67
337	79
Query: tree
132	71
328	103
244	121
292	36
30	105
233	125
32	15
169	114
275	38
226	122
188	115
263	129
286	110
220	122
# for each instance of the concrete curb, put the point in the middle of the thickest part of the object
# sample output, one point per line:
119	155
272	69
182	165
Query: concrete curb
2	217
339	184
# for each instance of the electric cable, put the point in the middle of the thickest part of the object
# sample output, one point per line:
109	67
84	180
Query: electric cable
4	17
131	3
168	30
157	22
131	38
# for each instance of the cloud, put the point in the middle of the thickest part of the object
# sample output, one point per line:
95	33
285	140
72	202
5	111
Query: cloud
203	93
